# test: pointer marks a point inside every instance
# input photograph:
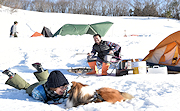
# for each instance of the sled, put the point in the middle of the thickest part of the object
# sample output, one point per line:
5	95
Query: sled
81	71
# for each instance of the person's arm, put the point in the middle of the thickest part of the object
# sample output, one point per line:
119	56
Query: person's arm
93	52
111	44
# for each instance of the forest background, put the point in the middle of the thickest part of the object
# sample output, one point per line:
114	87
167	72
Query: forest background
155	8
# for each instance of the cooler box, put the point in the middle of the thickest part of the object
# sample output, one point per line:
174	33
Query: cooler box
158	70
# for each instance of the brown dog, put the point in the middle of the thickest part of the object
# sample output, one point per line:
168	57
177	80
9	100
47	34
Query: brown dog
81	94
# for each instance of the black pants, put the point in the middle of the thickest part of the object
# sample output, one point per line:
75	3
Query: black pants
15	35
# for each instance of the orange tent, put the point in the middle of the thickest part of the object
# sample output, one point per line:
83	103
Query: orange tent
167	52
36	34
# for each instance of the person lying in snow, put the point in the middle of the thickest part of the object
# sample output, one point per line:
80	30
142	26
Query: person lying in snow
105	50
51	88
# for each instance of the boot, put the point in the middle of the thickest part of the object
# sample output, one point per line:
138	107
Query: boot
38	67
94	68
42	76
17	82
105	67
9	73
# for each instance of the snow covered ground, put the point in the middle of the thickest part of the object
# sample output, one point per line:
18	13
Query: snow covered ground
153	92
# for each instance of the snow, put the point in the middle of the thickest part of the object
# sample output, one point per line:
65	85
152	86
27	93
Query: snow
152	92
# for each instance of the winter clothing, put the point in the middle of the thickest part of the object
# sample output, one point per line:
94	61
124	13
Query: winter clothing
104	48
93	66
40	90
38	67
17	82
42	93
9	73
105	67
56	79
14	29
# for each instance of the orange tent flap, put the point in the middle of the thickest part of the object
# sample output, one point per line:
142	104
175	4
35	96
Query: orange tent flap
162	59
170	47
36	34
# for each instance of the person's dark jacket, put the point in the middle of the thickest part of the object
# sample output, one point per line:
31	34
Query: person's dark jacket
104	48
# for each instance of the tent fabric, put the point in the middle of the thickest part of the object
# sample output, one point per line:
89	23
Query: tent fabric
72	29
80	29
167	52
36	34
46	32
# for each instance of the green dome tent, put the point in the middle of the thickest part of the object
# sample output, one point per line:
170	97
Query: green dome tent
80	29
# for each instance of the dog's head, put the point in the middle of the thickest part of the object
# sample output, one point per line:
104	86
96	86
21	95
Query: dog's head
79	94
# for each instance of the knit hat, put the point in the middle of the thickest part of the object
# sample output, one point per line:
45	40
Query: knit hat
56	79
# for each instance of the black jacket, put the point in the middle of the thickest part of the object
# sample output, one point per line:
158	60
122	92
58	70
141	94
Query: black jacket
104	48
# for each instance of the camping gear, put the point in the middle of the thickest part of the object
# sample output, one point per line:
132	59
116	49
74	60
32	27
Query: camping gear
46	32
125	64
158	70
124	67
80	29
81	72
114	61
167	53
36	34
139	67
121	72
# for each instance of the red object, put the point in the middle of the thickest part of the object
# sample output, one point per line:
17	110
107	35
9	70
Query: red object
36	34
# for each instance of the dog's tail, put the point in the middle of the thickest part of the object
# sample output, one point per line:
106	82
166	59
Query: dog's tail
126	96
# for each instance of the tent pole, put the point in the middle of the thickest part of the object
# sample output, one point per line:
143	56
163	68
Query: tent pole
93	29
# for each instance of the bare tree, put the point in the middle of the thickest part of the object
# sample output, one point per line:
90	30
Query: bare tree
164	8
150	10
174	8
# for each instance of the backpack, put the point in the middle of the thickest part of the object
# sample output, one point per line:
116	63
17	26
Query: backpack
11	28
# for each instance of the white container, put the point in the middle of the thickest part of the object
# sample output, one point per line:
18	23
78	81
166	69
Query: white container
139	67
128	65
158	70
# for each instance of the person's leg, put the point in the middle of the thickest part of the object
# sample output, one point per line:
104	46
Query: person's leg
106	64
92	64
41	76
15	80
94	68
10	34
15	34
105	67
